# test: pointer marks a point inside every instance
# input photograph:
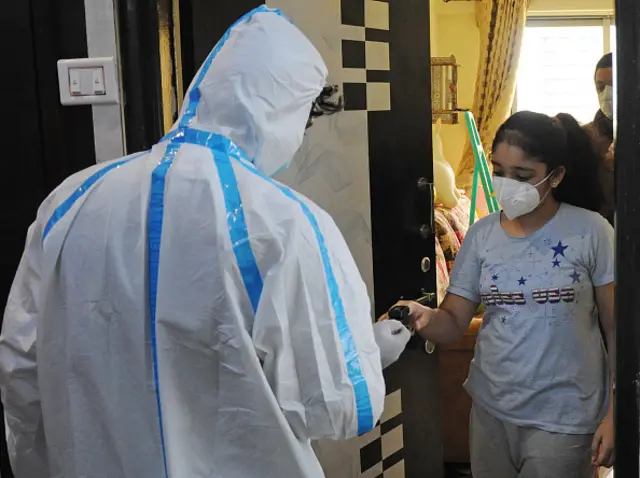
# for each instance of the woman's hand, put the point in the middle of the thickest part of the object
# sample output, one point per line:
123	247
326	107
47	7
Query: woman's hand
444	325
602	447
419	315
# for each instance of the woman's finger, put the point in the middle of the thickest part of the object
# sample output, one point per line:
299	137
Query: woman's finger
605	458
595	448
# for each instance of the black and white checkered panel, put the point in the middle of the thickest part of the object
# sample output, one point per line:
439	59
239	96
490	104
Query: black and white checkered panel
365	55
367	87
381	450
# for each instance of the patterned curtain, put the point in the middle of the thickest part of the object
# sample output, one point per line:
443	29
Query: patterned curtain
501	24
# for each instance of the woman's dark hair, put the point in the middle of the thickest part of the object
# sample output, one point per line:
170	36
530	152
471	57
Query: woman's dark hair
327	103
558	141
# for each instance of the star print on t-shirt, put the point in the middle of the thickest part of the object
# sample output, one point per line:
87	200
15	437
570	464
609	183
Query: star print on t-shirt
540	332
559	249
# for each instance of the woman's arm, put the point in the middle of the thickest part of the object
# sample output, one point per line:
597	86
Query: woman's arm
450	321
604	300
443	325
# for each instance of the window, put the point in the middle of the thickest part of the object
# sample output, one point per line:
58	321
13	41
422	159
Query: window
557	64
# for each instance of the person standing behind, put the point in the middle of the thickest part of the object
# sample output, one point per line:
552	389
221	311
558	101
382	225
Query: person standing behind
601	131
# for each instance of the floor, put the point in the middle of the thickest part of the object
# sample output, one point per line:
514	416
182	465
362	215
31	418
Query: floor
456	470
463	471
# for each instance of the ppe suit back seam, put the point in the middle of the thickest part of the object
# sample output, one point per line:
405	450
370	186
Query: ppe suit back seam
155	217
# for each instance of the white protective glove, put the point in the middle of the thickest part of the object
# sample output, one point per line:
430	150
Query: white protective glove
392	337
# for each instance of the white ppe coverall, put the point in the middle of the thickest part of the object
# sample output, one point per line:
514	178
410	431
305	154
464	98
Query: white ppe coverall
177	313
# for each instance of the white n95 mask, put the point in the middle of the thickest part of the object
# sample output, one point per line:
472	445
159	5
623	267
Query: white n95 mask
517	198
605	98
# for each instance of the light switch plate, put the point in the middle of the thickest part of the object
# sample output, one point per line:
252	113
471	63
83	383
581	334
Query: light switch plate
111	92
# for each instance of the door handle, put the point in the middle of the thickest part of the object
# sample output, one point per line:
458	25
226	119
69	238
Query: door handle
428	229
427	299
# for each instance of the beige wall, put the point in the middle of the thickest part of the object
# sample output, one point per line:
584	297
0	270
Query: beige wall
433	27
456	33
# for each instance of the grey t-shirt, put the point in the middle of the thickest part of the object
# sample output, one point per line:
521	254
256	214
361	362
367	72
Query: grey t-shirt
539	359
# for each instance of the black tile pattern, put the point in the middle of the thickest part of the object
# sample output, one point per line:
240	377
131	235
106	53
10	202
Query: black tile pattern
371	454
374	34
355	96
393	460
390	424
378	76
353	54
352	12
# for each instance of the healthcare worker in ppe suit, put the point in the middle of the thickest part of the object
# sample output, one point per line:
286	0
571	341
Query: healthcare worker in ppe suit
177	313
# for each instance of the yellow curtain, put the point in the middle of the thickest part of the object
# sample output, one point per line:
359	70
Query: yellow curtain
501	24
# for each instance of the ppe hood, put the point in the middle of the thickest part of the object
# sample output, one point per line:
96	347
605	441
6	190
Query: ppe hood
256	88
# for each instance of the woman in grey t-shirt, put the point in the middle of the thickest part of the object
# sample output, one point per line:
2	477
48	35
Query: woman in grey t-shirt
543	268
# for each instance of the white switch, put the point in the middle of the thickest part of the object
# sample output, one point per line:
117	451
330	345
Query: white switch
88	81
98	81
75	83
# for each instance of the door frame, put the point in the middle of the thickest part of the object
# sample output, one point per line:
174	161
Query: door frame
627	222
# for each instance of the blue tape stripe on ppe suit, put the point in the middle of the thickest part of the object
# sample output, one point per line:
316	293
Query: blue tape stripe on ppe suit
238	228
194	93
68	203
354	369
222	149
154	231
